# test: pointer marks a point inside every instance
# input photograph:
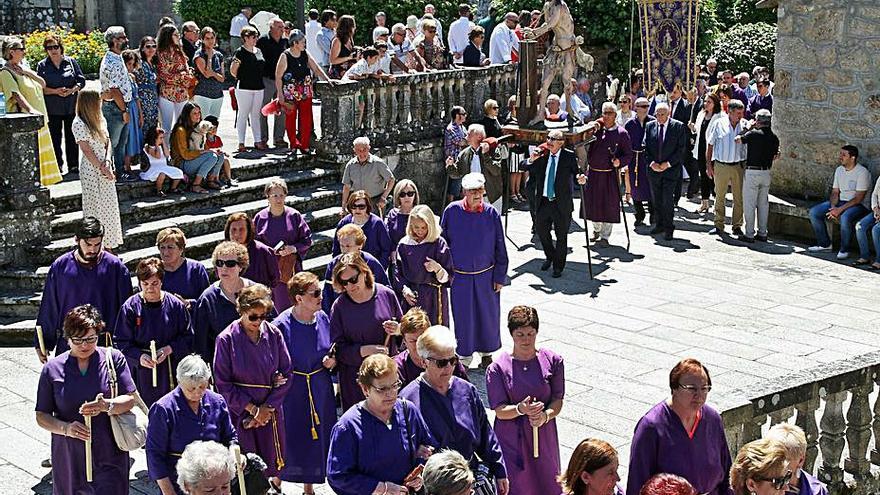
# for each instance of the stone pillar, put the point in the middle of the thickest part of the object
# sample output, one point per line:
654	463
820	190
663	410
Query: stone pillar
25	210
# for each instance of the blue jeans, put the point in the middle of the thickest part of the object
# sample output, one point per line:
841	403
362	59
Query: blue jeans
205	165
118	130
868	223
847	223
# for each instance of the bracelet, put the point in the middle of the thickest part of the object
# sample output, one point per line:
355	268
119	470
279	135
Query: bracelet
65	429
517	410
547	416
110	406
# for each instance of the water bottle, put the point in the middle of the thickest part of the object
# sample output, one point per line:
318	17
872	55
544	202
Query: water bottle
2	104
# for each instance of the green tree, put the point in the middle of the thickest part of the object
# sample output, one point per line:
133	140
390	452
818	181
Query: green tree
747	12
744	46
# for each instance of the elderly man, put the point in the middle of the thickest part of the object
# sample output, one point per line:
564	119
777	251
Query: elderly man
554	111
458	33
405	58
724	163
763	149
712	70
116	93
325	38
477	157
742	82
472	228
664	144
447	473
606	155
272	44
190	40
368	172
429	14
504	44
579	109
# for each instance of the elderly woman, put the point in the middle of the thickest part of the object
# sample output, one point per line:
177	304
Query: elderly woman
173	73
147	82
284	229
64	78
184	277
405	196
526	388
263	266
760	468
351	240
452	408
447	473
309	407
206	468
592	470
360	213
454	140
23	89
187	414
667	484
490	119
362	322
431	48
682	435
210	74
67	390
251	370
409	364
376	444
155	317
794	440
424	266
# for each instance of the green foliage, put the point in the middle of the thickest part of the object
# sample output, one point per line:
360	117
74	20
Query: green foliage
746	12
86	48
744	46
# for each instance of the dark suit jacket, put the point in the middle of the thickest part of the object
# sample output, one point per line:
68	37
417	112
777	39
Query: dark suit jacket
682	111
674	142
566	171
490	169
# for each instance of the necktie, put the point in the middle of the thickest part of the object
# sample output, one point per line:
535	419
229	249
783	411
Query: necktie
660	142
551	179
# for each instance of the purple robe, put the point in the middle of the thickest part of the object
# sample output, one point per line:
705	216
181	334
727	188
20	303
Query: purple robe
603	189
509	381
458	421
61	391
308	439
809	485
329	295
212	315
262	264
433	295
291	228
637	167
168	323
353	325
378	242
244	372
173	425
188	281
660	444
408	370
70	284
396	222
364	452
476	242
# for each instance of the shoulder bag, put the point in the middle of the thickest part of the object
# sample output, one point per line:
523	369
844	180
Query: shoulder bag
129	428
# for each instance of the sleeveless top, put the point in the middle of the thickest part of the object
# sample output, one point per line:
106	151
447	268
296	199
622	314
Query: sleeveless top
338	70
296	82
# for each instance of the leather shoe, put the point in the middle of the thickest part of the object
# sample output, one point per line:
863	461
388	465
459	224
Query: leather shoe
639	223
738	232
667	236
656	230
546	265
557	273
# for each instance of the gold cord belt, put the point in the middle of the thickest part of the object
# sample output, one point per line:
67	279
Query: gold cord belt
313	412
601	169
484	270
636	161
279	456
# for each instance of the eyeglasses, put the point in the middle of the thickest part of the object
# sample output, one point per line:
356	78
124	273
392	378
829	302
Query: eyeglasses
555	139
257	317
778	483
276	195
17	49
393	388
83	340
406	194
442	363
349	281
314	293
226	263
146	47
643	106
694	390
359	206
52	47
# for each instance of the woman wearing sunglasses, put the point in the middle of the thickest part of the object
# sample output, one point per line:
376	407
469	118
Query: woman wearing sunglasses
452	407
351	240
760	468
146	78
409	364
405	195
360	213
252	369
64	79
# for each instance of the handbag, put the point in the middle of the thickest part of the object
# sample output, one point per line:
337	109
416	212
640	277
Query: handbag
129	428
255	482
484	483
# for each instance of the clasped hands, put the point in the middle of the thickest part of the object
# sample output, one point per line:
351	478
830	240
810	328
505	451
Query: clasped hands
659	167
534	409
260	416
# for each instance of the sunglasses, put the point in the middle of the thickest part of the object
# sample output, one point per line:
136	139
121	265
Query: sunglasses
442	363
149	46
251	35
643	106
780	482
227	263
359	206
314	293
257	317
555	139
83	340
407	194
350	281
52	47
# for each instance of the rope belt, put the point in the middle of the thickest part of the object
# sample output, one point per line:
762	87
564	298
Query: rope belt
484	270
279	456
176	454
636	161
601	169
312	410
439	302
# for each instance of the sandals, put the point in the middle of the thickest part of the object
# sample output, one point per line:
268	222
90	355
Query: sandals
199	190
241	148
860	262
213	185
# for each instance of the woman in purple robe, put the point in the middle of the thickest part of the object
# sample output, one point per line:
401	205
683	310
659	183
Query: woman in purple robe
362	322
452	407
252	371
351	239
610	151
285	230
406	195
153	315
360	213
377	442
68	390
638	188
592	470
424	266
184	277
309	406
409	364
187	414
760	468
263	266
526	388
682	435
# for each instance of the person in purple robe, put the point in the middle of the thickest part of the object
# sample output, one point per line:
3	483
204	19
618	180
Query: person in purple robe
377	442
592	470
189	413
309	406
406	195
682	435
153	315
452	408
86	275
424	266
184	277
75	384
263	265
472	228
351	239
760	468
667	484
207	468
526	388
363	322
638	187
794	440
360	213
285	230
252	372
409	364
610	151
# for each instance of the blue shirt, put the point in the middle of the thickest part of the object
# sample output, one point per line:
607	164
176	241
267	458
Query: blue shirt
65	75
325	39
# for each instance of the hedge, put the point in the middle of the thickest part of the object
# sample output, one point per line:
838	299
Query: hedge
744	46
87	48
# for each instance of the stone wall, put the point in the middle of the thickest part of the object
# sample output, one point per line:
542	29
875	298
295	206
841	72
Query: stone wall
827	91
21	16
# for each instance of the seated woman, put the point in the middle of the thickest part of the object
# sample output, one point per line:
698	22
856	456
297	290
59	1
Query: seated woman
187	414
157	167
592	470
201	165
205	468
379	440
351	240
760	468
409	364
424	266
360	213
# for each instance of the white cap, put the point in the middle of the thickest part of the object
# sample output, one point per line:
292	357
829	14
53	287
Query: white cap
473	181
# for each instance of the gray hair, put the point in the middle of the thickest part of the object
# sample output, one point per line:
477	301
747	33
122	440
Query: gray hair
609	106
735	104
434	340
477	129
553	98
661	106
189	26
112	33
398	28
361	140
447	473
193	369
555	134
201	461
296	35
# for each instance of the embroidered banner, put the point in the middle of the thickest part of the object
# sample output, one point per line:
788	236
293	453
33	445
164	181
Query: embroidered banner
669	42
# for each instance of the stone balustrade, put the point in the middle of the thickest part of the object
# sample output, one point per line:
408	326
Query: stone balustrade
842	446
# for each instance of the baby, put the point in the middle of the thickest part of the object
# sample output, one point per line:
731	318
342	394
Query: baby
199	135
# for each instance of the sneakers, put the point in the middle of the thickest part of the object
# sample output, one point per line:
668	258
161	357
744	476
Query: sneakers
819	249
716	231
842	255
128	177
761	238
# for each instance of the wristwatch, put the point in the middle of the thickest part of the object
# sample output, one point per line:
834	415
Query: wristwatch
110	407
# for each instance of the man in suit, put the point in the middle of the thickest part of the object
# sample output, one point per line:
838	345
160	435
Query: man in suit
477	157
665	143
550	177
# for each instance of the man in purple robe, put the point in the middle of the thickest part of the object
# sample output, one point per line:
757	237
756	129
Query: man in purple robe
472	228
86	275
610	151
639	187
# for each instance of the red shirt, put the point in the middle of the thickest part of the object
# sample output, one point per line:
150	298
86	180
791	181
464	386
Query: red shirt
214	144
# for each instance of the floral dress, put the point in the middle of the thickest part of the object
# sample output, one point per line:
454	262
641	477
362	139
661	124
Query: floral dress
174	76
98	192
148	93
434	53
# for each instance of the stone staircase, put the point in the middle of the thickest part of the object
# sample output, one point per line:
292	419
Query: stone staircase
314	190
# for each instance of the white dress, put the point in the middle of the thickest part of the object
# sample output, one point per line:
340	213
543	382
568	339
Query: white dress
98	193
160	166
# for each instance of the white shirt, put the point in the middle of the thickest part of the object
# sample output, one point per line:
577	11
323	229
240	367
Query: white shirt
476	168
458	36
875	195
721	136
502	42
551	156
850	182
385	63
313	27
578	107
237	23
361	68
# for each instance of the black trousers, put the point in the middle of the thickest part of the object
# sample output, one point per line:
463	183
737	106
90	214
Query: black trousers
664	188
549	215
707	185
57	124
641	207
694	177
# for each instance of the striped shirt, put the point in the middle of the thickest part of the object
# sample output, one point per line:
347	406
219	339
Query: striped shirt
720	136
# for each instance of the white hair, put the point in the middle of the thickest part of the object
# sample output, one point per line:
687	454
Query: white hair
201	461
553	98
792	437
193	369
555	134
361	140
435	340
447	473
609	106
661	106
477	129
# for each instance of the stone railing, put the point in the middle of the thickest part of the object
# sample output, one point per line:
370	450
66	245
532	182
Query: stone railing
840	394
412	107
